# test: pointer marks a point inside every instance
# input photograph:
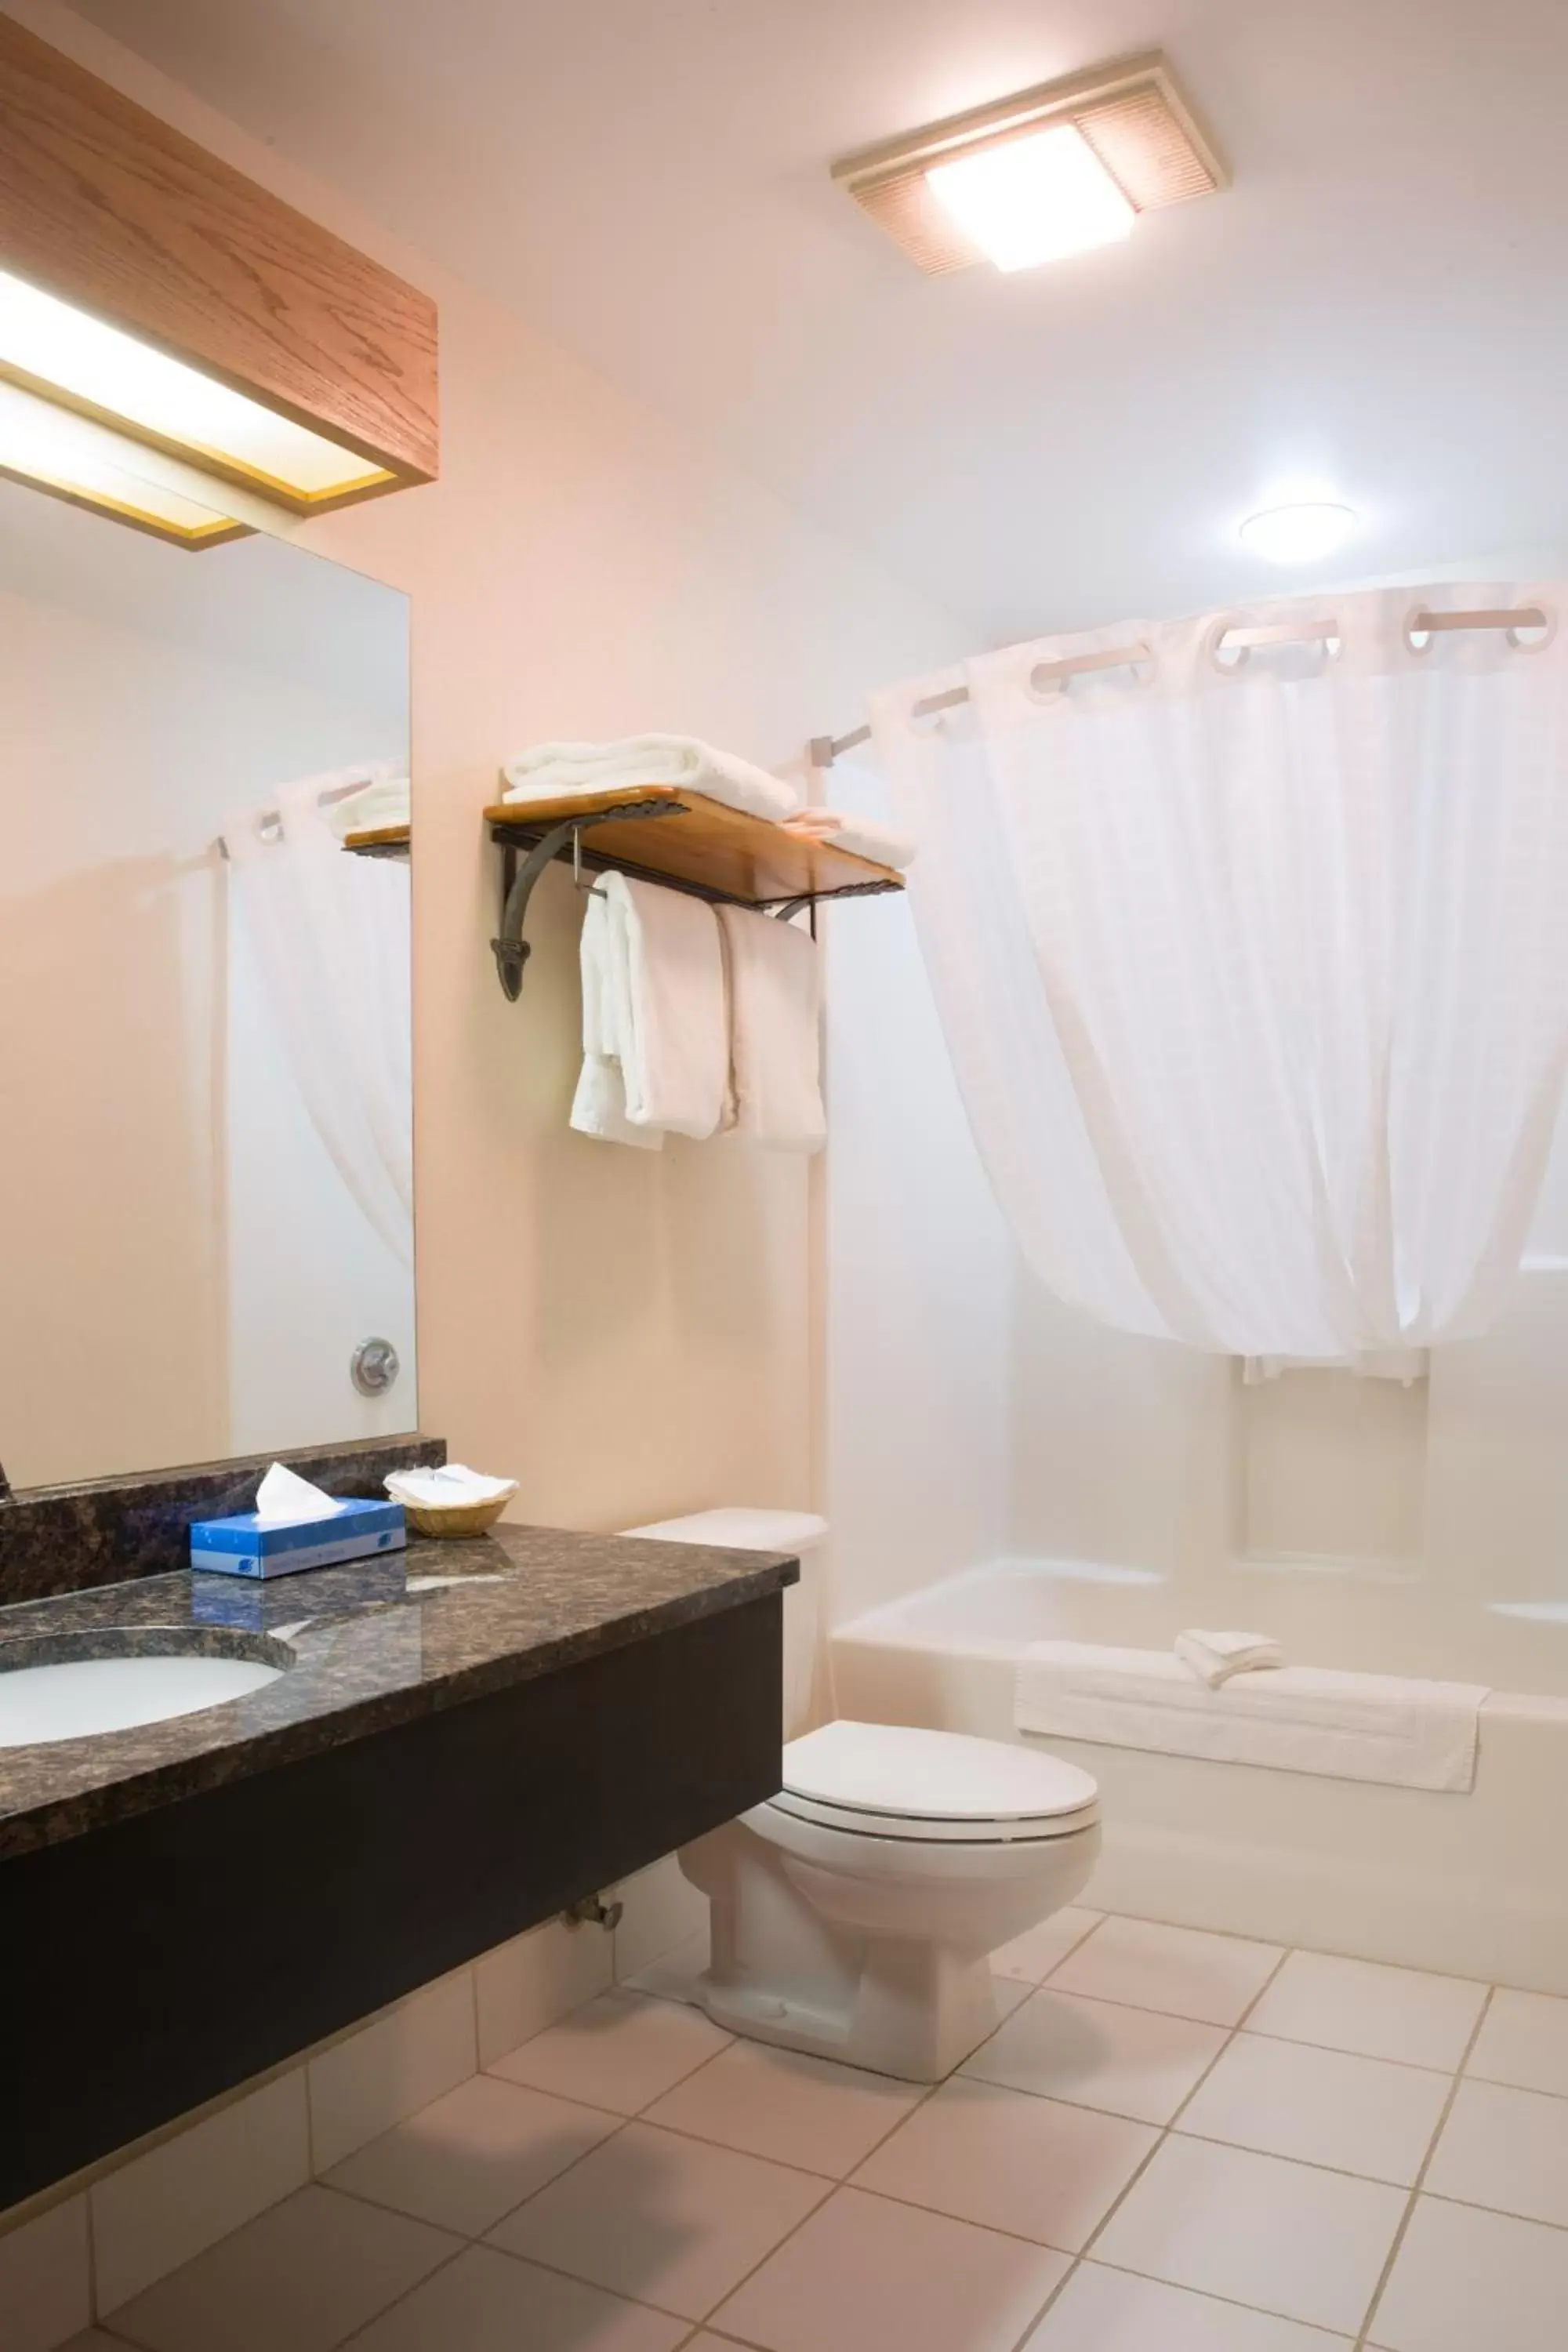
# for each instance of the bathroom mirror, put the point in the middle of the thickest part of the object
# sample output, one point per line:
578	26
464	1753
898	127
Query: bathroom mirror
206	1212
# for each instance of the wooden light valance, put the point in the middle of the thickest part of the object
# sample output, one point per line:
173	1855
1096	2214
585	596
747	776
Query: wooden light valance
105	209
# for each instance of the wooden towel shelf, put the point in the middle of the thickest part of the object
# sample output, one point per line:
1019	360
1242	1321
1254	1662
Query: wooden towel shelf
697	846
381	840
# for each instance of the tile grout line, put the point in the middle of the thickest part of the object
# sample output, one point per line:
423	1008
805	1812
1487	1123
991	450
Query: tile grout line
929	2093
831	2183
834	2183
1379	2291
1163	2137
345	2343
1162	2133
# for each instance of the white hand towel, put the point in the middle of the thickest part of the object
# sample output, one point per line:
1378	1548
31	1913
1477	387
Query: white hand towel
863	836
775	1004
1215	1657
599	1107
656	1049
553	771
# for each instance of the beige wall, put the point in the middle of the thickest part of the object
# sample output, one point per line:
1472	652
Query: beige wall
628	1333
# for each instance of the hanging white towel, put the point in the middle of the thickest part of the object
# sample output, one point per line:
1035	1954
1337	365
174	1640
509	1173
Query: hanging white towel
557	771
775	1007
1385	1728
655	1042
862	836
1214	1658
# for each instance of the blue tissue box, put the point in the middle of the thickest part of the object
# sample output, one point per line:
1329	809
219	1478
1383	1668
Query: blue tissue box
247	1546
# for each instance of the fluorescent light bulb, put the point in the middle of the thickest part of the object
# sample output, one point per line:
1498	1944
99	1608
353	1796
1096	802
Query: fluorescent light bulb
1299	533
1034	199
53	349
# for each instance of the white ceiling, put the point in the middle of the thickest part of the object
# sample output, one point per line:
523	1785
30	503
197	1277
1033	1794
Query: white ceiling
1376	307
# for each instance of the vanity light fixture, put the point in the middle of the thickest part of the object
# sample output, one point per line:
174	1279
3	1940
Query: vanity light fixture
1301	533
1050	172
179	349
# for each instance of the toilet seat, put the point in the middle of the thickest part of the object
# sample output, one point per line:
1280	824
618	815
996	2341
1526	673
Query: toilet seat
894	1780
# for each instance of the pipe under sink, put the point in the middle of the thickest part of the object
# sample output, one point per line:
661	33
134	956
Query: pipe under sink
82	1686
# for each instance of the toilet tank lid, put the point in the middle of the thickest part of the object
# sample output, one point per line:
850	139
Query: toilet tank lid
884	1767
740	1530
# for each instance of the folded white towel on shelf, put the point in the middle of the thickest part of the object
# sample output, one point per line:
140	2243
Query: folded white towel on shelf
863	836
560	771
656	1055
1384	1727
775	1004
383	802
1215	1657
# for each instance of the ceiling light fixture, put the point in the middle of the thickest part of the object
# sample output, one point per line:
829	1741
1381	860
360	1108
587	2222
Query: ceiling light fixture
1302	532
1034	199
1049	172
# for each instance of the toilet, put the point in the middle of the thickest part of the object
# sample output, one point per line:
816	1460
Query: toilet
854	1914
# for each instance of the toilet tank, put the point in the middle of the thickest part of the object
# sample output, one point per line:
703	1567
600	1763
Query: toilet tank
740	1527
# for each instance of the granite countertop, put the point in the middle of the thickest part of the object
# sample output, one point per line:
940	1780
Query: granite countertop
371	1645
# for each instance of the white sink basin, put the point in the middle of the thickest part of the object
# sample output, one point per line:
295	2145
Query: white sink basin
74	1697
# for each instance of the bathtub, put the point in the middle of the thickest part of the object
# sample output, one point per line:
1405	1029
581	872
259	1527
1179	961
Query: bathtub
1474	1885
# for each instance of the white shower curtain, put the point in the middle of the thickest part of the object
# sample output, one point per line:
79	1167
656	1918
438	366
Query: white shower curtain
331	932
1254	969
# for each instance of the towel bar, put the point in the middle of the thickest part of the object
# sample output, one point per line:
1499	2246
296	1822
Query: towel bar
719	854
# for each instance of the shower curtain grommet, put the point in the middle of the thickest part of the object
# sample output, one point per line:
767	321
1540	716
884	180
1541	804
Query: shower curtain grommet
1214	646
1538	644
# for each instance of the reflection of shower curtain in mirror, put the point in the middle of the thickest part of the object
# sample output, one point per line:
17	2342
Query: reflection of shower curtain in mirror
1254	968
331	935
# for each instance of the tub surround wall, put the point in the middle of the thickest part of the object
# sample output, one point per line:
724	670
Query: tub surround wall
918	1268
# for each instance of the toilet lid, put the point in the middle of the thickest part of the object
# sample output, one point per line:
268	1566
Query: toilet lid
895	1779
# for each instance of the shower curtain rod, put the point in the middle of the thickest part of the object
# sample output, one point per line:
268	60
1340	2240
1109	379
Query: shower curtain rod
825	749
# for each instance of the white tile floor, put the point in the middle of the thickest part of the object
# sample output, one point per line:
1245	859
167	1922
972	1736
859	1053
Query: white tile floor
1175	2142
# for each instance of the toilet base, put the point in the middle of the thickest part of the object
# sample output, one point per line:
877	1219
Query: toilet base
899	2023
890	1973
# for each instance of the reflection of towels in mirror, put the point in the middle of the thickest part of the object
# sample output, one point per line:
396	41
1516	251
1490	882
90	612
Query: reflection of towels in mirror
382	802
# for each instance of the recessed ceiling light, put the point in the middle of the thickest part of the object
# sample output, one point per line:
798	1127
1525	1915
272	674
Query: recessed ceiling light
1034	199
1047	171
1299	533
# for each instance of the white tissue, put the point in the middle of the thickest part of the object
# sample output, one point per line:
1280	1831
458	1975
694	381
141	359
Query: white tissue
454	1482
283	1496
